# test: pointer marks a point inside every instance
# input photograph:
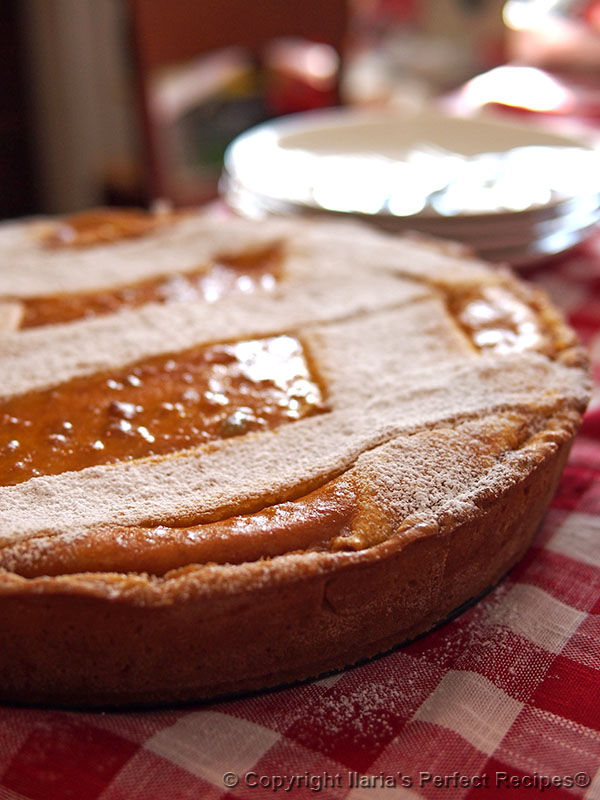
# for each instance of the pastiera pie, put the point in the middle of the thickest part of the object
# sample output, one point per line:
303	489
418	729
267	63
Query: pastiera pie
235	455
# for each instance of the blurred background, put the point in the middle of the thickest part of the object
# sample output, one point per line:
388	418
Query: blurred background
126	101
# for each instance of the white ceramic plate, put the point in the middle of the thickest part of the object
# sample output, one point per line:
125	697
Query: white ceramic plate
468	179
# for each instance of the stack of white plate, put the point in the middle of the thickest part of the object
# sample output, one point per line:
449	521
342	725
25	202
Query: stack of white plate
510	192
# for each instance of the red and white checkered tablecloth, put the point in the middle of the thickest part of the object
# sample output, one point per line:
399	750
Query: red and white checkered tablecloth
500	702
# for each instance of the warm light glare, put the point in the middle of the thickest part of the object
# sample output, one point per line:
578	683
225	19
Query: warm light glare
523	15
320	61
523	87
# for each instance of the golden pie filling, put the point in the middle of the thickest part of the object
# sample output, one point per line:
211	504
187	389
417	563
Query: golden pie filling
305	524
102	226
156	406
495	320
228	274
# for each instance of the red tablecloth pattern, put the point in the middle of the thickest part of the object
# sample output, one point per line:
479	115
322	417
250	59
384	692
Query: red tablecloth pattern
503	701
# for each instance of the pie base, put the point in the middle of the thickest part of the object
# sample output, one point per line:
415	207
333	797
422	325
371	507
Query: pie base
293	627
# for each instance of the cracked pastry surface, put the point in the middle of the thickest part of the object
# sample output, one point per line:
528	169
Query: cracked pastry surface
321	435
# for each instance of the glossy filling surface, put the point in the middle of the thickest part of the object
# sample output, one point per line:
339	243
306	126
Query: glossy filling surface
156	406
227	274
102	226
494	319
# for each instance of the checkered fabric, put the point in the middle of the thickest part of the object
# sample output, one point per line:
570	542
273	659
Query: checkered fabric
504	701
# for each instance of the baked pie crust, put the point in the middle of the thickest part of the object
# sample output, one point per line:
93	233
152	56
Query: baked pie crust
391	461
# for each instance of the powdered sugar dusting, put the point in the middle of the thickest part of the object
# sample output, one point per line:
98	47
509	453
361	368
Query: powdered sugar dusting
398	374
